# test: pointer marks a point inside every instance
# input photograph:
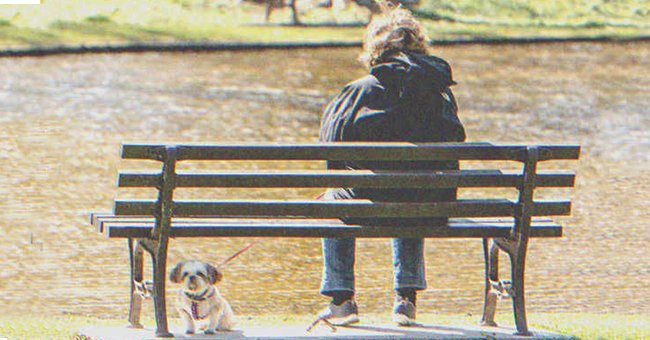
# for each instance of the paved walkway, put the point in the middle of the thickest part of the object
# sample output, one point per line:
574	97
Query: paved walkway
360	331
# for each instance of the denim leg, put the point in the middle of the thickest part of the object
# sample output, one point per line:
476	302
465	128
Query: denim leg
338	271
408	263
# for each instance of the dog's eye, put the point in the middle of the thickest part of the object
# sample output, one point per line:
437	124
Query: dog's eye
185	274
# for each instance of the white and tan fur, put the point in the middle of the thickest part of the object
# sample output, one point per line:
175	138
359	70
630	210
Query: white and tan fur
199	299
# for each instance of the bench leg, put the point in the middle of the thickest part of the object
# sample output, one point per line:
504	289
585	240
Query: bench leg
491	256
158	252
518	264
495	288
136	257
159	279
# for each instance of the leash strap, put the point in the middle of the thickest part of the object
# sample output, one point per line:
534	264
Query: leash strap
319	197
238	253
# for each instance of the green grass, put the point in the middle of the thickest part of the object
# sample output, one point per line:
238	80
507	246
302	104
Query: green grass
56	327
578	325
72	22
594	326
566	13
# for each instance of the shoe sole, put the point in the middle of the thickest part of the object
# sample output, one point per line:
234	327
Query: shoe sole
345	321
403	320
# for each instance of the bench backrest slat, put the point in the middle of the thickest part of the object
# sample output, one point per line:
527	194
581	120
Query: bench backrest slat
343	179
347	151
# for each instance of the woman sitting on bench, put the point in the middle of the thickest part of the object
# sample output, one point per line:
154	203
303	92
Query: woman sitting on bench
406	97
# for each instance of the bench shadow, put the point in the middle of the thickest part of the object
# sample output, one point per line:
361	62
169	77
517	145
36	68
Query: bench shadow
375	332
445	332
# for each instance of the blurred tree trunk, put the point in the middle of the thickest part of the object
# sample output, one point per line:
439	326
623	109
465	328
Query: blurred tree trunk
272	4
294	12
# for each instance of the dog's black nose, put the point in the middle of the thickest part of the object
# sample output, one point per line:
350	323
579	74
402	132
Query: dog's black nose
192	282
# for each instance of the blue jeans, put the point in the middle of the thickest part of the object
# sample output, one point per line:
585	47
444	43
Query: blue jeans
338	258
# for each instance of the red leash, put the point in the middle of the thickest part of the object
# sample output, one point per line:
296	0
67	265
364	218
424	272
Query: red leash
238	253
251	244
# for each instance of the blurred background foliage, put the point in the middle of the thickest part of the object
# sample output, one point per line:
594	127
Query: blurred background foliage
588	13
57	22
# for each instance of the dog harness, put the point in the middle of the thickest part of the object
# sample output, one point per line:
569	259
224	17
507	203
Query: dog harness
197	301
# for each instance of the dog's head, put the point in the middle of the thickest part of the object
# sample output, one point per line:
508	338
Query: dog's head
195	275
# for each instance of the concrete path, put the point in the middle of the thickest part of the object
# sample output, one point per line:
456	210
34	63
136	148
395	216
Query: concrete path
360	331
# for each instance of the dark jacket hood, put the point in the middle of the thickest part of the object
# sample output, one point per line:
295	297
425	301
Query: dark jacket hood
411	73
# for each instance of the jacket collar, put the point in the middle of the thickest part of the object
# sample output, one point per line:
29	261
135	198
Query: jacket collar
395	67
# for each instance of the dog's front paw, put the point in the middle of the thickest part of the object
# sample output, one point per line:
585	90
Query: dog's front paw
189	331
209	332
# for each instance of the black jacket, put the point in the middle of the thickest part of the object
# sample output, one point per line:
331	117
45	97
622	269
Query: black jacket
402	99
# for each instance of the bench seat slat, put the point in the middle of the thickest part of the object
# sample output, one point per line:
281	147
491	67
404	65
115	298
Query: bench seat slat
343	151
120	227
344	179
102	219
335	209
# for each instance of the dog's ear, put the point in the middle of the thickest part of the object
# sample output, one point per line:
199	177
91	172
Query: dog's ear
214	274
175	275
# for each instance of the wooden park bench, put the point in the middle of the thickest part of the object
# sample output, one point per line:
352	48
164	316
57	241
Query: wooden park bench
502	223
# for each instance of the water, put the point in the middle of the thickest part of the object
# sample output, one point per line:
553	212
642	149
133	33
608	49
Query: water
63	119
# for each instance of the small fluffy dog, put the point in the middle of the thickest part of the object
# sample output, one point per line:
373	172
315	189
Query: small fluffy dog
198	298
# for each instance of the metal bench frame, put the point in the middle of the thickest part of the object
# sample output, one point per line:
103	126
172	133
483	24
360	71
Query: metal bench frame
148	225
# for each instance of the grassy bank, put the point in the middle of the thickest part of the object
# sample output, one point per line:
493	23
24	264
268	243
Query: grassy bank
96	22
578	325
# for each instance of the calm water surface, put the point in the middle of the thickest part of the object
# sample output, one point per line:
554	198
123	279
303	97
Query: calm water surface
63	119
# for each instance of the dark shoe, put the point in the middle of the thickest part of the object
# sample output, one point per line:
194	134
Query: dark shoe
404	312
344	314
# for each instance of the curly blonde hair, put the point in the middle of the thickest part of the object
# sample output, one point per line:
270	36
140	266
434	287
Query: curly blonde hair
393	29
